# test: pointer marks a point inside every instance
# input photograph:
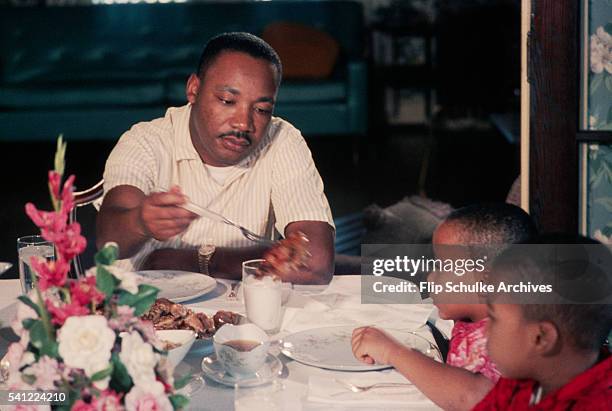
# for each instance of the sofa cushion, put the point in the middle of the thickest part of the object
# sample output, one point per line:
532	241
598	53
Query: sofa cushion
410	221
305	51
312	91
53	95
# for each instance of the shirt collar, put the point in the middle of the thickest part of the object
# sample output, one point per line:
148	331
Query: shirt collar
182	137
186	151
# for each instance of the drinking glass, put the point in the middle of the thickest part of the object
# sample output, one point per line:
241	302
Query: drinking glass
267	397
27	247
262	297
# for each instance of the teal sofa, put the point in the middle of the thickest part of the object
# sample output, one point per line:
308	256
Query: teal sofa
91	72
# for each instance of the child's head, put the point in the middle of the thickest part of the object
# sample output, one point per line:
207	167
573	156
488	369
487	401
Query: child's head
545	331
479	224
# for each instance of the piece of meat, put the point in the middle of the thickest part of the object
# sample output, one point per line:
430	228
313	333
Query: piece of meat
191	321
225	317
287	255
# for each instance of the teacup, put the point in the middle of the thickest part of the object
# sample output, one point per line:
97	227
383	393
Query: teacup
241	349
177	343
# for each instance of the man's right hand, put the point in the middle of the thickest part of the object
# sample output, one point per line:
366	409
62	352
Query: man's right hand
162	216
130	218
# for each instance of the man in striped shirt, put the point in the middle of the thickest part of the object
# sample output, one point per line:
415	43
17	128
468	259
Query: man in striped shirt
224	150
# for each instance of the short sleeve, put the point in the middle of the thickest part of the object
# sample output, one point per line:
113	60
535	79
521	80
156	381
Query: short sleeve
132	162
297	188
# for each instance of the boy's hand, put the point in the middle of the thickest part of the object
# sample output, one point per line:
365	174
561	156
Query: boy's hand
372	345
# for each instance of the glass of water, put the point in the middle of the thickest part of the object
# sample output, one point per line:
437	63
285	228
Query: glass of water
28	247
269	397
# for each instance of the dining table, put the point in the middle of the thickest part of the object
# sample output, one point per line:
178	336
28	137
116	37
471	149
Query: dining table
306	307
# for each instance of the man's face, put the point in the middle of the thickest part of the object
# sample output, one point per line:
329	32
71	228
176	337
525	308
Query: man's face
231	107
509	338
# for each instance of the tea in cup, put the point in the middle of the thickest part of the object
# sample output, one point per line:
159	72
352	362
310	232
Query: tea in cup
241	349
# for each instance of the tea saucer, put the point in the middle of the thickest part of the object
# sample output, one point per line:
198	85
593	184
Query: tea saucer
213	369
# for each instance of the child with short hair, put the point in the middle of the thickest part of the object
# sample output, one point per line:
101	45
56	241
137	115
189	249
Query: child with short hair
552	356
468	374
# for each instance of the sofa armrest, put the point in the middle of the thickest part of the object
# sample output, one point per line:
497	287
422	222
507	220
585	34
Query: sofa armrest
357	95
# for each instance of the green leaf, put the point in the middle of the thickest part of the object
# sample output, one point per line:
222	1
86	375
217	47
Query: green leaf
178	401
50	349
596	80
100	375
41	341
142	301
105	281
28	323
107	255
26	300
28	378
182	381
38	336
608	82
606	202
120	380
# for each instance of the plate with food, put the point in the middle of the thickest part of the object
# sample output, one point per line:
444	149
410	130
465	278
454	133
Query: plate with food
168	315
330	348
177	285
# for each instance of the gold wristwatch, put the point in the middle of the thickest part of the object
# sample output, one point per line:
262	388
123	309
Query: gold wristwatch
205	253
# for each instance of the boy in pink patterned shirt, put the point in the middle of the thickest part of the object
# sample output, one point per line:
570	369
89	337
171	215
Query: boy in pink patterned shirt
468	374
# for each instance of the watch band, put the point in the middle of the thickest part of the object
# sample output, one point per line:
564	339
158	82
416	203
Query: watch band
205	253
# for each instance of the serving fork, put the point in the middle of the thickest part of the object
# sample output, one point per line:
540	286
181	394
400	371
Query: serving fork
204	212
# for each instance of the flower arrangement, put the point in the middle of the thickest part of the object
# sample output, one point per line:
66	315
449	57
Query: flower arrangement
83	337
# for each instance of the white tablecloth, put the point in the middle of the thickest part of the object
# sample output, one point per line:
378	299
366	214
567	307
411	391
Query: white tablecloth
217	397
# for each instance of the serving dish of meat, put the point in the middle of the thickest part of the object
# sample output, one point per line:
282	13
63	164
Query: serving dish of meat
166	315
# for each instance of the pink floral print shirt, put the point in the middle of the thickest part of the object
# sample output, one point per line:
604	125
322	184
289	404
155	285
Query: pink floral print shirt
468	349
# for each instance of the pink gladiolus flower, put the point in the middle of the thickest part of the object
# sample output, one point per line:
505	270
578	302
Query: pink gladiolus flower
60	313
67	197
84	291
49	222
55	179
70	242
50	273
81	405
109	401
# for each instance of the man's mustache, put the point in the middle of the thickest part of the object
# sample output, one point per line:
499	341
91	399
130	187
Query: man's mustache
238	134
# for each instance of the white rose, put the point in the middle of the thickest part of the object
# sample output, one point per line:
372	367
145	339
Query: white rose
150	397
139	358
85	342
128	280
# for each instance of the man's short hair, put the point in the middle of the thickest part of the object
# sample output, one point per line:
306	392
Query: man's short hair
240	42
586	326
493	223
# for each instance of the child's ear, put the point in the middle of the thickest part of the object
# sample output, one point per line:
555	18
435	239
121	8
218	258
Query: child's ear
546	338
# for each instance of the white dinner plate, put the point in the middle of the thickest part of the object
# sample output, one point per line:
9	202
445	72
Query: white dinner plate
330	348
178	286
213	369
4	266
